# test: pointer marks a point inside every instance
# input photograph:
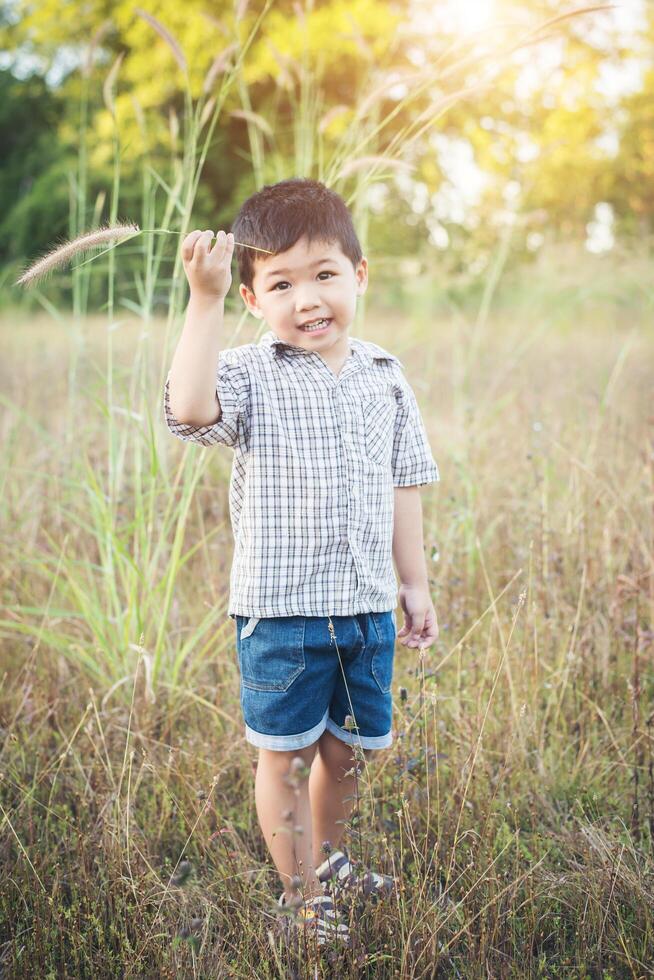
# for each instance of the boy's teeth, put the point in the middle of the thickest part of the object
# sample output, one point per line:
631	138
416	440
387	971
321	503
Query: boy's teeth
315	326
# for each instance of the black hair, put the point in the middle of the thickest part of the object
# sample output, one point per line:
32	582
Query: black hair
278	215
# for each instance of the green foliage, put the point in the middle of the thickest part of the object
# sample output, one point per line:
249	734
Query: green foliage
303	61
33	182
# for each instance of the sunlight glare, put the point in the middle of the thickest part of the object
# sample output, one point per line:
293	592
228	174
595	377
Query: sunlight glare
472	15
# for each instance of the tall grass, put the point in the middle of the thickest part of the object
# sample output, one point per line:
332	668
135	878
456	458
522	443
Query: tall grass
517	803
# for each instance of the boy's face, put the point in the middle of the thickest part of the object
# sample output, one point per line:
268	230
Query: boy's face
307	282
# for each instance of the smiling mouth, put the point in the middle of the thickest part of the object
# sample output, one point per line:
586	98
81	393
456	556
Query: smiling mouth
319	326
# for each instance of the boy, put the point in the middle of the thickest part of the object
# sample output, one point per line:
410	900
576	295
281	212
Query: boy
330	450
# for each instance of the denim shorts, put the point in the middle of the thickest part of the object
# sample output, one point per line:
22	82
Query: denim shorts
296	680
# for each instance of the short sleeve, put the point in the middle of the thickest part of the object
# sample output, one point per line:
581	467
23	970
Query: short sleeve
232	389
412	460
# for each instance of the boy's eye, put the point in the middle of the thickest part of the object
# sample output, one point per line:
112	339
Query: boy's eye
284	283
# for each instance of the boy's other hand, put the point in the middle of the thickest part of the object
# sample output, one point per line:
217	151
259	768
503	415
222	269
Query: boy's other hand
208	270
420	624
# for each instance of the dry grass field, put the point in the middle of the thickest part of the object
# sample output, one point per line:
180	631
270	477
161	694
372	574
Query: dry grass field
517	801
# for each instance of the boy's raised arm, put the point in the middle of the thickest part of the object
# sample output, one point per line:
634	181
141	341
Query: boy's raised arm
192	375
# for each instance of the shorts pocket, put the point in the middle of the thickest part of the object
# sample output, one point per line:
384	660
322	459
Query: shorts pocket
271	655
383	654
378	425
248	629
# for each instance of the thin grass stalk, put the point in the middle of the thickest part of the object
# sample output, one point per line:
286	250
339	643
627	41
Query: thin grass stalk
183	849
649	740
635	692
305	122
348	148
476	750
425	746
437	774
194	181
167	522
255	137
108	604
494	899
333	637
108	550
78	215
405	143
163	32
61	758
21	847
505	644
502	377
411	832
115	190
189	484
490	287
194	643
144	493
112	641
76	221
567	655
151	264
403	138
471	629
233	74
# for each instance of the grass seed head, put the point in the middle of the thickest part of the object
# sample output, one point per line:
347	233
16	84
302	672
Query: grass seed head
65	252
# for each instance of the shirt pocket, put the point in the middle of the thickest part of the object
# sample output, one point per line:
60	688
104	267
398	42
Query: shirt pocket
378	427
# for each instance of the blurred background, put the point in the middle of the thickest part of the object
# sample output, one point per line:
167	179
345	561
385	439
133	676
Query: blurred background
492	126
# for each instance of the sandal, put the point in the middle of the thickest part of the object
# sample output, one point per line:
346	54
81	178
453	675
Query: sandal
337	868
319	915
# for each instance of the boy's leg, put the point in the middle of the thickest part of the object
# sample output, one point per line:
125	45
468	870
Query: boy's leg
328	785
292	853
363	691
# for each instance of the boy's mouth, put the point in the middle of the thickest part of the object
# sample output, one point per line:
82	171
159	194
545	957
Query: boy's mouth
316	326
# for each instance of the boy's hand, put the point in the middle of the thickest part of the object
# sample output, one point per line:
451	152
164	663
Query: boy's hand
420	625
208	272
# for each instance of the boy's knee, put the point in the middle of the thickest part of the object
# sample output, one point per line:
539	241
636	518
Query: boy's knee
338	754
282	759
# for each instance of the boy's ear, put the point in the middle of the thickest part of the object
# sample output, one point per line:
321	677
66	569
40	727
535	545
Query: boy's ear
250	301
361	273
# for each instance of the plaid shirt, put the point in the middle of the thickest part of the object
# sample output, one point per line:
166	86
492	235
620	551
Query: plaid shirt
316	458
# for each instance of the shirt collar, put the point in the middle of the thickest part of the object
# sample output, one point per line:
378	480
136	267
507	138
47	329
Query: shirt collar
368	351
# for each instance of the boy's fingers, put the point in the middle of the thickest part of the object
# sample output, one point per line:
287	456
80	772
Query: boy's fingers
200	245
204	242
189	244
224	245
219	246
420	634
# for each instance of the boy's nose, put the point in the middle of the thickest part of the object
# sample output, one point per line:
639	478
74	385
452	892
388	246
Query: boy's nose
307	307
306	300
